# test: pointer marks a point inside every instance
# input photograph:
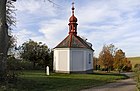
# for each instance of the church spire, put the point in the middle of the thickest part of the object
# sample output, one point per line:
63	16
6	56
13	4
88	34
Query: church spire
73	24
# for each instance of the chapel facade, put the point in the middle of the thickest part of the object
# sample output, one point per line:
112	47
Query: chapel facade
73	54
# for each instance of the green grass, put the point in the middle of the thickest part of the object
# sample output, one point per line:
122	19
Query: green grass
134	60
38	81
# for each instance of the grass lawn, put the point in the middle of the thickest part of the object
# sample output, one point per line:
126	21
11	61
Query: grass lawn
134	60
38	81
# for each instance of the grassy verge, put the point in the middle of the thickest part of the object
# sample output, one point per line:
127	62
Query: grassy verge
38	81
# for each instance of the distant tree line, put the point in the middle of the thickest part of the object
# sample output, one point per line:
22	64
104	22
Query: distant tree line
111	58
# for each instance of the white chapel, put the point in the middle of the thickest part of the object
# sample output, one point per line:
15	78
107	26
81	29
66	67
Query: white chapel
73	54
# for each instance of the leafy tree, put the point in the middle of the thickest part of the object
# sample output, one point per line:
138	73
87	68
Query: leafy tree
119	60
112	49
127	65
110	58
37	53
106	57
29	51
44	56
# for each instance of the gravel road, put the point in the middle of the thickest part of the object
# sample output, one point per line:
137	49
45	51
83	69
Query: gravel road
121	85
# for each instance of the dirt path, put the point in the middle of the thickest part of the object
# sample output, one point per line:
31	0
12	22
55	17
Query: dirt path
122	85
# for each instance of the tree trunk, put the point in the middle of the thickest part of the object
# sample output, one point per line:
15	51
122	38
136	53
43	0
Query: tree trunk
4	38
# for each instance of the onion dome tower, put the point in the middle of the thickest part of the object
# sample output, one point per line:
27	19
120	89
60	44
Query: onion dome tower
73	23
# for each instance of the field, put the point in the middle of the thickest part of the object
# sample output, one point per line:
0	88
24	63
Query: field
38	81
134	60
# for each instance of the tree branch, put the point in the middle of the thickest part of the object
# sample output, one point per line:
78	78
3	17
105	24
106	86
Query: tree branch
52	2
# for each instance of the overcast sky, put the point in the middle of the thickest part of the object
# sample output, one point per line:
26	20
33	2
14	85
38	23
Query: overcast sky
100	21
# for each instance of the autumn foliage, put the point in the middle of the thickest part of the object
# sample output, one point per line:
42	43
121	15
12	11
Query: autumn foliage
112	59
106	58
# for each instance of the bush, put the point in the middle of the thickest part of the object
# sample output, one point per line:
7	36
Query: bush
13	63
18	64
137	75
26	65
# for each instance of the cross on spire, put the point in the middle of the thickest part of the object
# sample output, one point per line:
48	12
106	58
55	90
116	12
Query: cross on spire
73	8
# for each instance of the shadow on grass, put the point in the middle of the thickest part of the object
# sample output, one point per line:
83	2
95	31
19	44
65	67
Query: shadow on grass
56	84
111	74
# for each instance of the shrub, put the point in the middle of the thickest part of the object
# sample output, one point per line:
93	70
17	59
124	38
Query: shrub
137	75
26	65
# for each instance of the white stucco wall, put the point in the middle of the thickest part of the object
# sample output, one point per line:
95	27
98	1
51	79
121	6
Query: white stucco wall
72	59
79	59
76	60
61	59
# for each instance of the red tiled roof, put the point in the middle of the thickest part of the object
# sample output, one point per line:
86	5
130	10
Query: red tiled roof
73	41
